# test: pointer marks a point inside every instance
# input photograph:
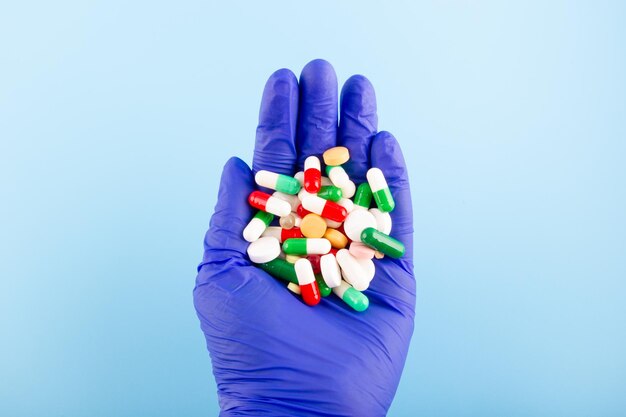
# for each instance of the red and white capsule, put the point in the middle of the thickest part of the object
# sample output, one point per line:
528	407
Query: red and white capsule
283	234
266	202
306	279
312	175
324	208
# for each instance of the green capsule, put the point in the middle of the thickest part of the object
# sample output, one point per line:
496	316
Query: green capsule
354	298
279	182
330	192
382	242
325	290
306	246
281	269
363	196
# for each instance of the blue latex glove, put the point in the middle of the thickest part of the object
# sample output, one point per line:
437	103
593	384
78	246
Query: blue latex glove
273	355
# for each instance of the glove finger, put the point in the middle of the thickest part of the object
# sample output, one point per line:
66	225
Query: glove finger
387	155
317	114
224	238
275	148
357	124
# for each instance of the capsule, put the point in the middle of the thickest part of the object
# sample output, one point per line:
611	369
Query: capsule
324	208
355	299
363	196
356	222
337	175
279	182
382	242
283	234
257	225
304	246
383	220
306	279
368	267
315	262
293	200
266	202
330	270
264	250
347	204
312	174
380	190
281	269
348	189
351	270
330	192
325	290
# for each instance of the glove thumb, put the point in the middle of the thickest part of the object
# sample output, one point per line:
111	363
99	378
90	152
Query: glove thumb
223	240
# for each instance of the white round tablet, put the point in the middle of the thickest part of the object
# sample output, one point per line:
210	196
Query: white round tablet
356	222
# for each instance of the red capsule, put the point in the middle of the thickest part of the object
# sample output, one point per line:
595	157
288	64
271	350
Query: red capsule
312	175
315	263
301	211
311	293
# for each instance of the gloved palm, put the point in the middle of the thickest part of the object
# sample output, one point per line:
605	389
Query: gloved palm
272	355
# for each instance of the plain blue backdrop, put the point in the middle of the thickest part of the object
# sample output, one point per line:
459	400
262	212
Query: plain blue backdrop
115	121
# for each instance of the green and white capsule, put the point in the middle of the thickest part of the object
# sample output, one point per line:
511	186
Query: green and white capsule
306	246
382	242
380	190
363	196
279	182
337	175
330	192
355	299
281	269
257	226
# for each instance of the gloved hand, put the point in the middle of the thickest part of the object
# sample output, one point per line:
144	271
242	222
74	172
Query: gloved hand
273	355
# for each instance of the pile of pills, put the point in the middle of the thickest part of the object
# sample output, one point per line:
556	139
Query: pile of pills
324	242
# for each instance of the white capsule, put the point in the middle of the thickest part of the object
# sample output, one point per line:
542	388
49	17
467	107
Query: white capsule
356	222
347	204
330	270
352	270
304	271
348	189
383	220
361	250
312	162
338	176
254	229
293	200
376	179
264	250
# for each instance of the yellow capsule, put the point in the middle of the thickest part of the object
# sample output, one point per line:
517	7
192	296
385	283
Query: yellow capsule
336	238
292	259
336	156
313	226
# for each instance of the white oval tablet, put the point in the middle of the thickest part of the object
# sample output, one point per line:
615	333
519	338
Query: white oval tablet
383	220
330	270
264	250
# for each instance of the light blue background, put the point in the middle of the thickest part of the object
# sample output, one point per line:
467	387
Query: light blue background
115	120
